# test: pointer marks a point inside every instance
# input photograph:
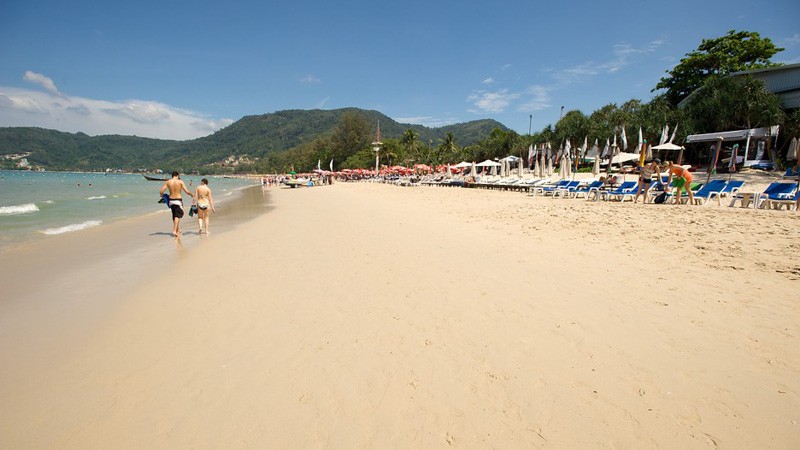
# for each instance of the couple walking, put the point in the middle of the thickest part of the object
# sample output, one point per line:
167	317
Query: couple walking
202	198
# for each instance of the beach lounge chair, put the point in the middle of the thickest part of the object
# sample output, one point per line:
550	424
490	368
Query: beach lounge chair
789	202
545	189
775	192
566	189
792	173
712	189
585	190
628	187
732	188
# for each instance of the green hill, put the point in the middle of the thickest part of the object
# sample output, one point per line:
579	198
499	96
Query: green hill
253	136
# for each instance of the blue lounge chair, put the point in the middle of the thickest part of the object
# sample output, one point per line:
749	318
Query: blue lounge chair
792	173
789	202
712	189
544	190
566	189
586	190
626	188
775	192
732	188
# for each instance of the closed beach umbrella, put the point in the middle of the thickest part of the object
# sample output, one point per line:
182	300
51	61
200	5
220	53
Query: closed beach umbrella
562	173
596	166
536	171
474	169
549	167
792	154
542	166
520	168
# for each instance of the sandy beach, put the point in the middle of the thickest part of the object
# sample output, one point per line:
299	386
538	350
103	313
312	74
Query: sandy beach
365	315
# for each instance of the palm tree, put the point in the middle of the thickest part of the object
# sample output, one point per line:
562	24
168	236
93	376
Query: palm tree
447	148
410	142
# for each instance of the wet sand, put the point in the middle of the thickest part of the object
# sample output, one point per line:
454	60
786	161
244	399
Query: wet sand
368	315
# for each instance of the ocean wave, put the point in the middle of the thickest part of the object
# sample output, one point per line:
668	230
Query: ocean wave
71	228
18	209
49	202
96	198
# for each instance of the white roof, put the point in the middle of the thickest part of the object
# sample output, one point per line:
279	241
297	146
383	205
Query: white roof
736	135
488	163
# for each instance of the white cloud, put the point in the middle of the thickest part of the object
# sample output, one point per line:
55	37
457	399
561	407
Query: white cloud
310	79
33	108
489	80
538	98
623	55
42	81
492	102
428	121
791	40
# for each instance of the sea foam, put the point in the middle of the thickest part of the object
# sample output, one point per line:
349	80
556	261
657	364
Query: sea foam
96	198
71	228
18	209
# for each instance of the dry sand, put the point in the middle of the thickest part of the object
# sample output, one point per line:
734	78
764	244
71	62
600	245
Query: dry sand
364	315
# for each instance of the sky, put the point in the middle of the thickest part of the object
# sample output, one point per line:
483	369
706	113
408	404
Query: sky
182	70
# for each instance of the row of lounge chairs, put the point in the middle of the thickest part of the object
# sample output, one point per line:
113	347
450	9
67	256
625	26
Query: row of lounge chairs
777	195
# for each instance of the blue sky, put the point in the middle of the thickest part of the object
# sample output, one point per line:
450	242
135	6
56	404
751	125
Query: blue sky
181	70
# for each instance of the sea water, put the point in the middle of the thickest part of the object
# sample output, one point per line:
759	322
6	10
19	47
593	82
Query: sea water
36	205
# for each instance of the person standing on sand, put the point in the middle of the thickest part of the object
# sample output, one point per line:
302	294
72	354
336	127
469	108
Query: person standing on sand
683	180
175	186
645	180
205	204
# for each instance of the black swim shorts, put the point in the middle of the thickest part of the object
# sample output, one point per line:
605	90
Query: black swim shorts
177	211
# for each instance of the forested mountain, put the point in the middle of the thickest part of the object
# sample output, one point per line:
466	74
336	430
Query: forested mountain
251	138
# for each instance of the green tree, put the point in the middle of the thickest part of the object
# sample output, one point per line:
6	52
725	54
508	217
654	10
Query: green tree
411	146
729	103
447	150
352	134
734	52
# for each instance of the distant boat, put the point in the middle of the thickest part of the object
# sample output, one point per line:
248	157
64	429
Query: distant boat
153	178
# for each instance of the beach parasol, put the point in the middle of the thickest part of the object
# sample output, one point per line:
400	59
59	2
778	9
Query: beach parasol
792	153
549	167
596	166
536	171
520	168
713	167
474	172
732	163
542	166
562	172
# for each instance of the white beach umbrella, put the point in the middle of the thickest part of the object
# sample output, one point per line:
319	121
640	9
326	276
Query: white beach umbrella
569	167
542	165
520	168
624	139
536	171
494	171
562	172
649	153
549	167
449	172
474	172
596	166
792	154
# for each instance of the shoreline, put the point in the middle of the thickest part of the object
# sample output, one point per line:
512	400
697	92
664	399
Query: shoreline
364	314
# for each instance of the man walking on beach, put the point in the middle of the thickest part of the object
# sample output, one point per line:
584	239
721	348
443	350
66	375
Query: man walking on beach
175	186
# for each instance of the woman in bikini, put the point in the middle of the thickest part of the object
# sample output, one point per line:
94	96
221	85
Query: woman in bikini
683	180
205	204
645	180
